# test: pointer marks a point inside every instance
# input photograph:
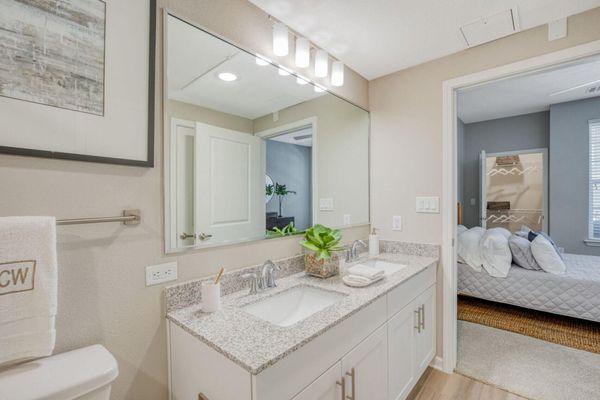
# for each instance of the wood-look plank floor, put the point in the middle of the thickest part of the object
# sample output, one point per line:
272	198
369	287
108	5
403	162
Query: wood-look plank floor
436	385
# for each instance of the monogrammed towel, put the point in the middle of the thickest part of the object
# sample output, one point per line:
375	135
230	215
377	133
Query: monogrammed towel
28	287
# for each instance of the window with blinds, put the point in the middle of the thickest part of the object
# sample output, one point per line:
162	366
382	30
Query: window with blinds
594	212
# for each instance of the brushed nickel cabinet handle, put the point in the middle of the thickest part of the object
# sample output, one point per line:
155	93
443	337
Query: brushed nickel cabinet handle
184	236
352	374
418	318
204	236
423	316
343	385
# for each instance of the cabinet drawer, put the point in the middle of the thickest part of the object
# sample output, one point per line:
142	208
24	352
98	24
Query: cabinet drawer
409	290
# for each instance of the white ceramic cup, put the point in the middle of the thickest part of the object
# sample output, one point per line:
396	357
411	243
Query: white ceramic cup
211	296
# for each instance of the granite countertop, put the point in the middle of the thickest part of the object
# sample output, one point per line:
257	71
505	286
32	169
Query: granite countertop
255	344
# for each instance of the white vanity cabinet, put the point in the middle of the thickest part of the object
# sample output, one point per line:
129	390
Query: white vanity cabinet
377	353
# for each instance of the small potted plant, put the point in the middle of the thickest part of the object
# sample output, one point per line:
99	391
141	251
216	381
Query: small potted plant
323	243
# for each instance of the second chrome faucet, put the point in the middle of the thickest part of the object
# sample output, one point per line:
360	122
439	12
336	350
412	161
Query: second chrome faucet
264	278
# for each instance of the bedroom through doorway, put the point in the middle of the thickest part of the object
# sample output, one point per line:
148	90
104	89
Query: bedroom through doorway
528	207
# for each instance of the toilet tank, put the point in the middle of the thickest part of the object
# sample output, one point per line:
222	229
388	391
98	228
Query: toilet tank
80	373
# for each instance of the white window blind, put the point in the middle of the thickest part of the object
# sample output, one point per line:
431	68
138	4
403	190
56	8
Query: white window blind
594	212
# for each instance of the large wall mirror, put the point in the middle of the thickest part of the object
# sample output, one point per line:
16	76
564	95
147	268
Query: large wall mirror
251	151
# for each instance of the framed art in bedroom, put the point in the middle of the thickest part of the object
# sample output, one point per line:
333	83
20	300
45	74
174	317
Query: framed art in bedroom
75	83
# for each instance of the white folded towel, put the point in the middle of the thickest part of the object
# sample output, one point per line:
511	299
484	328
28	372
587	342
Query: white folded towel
28	287
366	271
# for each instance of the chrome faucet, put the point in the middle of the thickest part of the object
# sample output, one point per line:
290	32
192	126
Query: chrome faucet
254	281
352	252
268	274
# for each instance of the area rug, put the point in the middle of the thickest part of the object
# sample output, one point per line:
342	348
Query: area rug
567	331
533	368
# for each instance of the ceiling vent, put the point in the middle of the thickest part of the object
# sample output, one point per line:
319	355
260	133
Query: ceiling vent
491	27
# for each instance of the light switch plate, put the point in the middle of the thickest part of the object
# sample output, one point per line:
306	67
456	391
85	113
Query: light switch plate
346	219
428	205
396	223
326	204
473	201
557	29
160	273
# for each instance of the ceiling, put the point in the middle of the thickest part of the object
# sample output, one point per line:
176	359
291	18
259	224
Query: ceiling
195	60
378	37
530	93
300	137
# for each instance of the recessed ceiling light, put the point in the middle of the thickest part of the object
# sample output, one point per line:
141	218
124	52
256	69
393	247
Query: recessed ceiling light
228	76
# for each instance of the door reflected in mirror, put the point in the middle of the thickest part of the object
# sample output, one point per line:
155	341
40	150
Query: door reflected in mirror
251	154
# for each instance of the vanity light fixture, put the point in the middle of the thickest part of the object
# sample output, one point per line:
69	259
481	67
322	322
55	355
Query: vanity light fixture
262	61
228	76
318	88
280	39
337	73
284	71
321	63
302	52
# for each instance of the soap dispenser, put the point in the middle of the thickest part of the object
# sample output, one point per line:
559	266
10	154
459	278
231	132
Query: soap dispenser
374	243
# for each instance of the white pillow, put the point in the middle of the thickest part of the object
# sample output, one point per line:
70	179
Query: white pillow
546	256
460	229
495	253
468	247
503	231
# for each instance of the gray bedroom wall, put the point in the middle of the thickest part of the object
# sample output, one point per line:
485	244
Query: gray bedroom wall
290	165
569	148
522	132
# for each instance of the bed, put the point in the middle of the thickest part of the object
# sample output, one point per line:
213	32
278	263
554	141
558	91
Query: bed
575	294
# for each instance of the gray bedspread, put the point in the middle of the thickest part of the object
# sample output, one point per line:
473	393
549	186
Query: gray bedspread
575	294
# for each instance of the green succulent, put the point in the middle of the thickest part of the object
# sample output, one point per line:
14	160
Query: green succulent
322	240
287	230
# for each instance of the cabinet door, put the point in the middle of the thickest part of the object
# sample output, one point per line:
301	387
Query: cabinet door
425	340
324	387
368	360
401	352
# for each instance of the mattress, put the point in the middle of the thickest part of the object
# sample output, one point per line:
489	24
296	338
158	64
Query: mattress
575	294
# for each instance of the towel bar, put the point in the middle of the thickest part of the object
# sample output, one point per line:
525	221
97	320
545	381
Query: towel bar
129	217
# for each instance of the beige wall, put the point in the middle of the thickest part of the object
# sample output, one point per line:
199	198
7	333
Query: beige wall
342	143
406	125
102	293
192	112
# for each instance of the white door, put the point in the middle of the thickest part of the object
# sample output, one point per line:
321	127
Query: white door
366	368
184	136
230	190
325	387
401	352
482	189
425	339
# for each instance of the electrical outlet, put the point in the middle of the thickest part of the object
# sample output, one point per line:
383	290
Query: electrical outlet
396	223
161	273
346	219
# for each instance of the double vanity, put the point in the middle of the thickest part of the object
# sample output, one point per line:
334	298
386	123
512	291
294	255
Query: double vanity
306	338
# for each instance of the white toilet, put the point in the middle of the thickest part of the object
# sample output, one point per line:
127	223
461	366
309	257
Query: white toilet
83	374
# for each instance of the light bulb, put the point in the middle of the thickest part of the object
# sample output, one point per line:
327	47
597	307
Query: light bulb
227	76
302	53
337	73
280	39
321	63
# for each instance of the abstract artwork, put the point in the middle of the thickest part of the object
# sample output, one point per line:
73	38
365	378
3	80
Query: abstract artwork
52	53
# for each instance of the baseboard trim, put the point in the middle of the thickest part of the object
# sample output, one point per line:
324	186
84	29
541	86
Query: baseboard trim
437	363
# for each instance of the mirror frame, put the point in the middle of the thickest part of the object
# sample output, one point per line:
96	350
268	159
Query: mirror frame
168	209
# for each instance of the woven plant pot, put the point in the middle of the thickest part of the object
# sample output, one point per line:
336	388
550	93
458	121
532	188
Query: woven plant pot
322	268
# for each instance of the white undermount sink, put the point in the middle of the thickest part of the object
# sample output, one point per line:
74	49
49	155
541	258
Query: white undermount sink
388	267
293	305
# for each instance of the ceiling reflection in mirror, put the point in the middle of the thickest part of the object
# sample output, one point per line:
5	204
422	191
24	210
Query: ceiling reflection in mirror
253	151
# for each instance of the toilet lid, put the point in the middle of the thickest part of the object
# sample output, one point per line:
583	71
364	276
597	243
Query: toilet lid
60	377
